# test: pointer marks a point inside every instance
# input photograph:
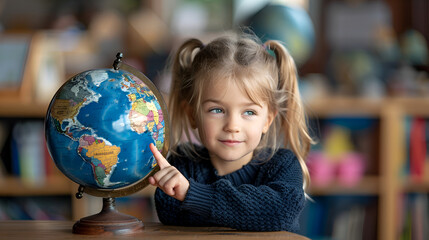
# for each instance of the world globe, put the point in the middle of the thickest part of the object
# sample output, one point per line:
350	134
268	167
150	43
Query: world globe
289	24
98	129
99	126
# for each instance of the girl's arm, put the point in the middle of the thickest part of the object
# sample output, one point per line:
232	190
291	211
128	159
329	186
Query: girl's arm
170	212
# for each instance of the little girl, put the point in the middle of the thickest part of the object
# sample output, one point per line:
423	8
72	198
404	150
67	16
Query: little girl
240	98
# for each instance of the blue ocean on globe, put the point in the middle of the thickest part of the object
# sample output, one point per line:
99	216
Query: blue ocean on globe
99	126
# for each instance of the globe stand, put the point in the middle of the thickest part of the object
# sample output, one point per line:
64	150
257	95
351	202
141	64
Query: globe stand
108	222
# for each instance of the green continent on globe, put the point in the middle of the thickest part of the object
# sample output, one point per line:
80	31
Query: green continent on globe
103	158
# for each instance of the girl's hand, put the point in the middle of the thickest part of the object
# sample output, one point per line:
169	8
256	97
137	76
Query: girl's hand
168	178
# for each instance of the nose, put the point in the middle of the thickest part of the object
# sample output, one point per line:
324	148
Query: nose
232	123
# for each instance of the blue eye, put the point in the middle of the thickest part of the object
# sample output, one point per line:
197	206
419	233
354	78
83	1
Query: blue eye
249	113
215	110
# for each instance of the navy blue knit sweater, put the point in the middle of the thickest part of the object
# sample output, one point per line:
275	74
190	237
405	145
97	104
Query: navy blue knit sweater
261	196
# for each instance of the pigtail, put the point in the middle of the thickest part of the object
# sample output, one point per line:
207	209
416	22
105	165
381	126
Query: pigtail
181	91
291	112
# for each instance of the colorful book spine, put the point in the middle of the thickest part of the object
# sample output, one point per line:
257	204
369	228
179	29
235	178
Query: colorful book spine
417	148
28	152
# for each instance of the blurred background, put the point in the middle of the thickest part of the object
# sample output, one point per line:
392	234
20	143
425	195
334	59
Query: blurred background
363	74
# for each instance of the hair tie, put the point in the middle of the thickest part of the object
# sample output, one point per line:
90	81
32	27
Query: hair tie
267	48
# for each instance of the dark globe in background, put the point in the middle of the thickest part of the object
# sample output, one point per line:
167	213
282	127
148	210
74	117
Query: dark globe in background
99	126
289	24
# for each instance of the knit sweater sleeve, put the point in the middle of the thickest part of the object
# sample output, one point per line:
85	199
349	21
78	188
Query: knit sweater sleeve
169	209
273	204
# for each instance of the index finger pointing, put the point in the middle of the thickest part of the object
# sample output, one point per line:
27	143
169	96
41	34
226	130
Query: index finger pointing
162	162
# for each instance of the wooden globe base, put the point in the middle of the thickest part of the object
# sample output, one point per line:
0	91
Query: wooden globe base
108	222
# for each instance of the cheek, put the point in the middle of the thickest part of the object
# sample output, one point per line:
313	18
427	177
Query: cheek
262	128
256	132
206	130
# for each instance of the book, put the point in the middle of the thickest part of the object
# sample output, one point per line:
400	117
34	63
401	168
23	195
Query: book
340	217
414	217
417	148
3	137
28	151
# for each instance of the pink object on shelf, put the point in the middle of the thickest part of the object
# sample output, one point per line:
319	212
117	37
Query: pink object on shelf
322	170
351	169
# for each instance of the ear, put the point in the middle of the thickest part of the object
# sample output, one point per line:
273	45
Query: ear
270	119
190	113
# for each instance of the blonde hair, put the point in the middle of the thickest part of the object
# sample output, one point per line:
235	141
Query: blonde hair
266	72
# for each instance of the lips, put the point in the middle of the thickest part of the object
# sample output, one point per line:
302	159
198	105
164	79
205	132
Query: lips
230	142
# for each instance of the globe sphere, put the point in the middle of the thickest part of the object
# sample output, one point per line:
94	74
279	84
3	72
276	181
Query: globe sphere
99	126
290	25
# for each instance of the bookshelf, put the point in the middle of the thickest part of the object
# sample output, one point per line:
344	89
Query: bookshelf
54	185
389	184
22	110
369	185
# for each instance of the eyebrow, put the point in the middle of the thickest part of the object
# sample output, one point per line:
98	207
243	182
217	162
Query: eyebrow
220	102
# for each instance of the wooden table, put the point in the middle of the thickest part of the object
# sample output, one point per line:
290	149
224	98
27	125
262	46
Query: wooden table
62	230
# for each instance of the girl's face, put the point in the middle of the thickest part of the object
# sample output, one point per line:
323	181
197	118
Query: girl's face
231	126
